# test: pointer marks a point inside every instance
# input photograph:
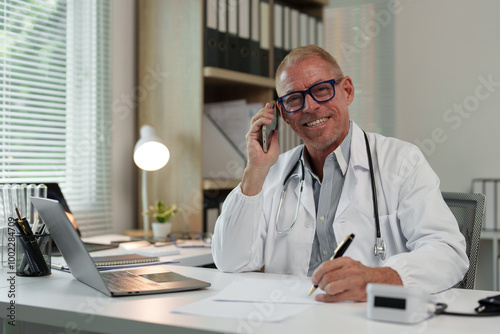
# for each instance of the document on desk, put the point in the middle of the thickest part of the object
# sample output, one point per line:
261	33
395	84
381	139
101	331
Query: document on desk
289	291
275	300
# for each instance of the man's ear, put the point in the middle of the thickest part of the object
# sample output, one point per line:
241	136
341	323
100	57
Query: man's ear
348	89
282	112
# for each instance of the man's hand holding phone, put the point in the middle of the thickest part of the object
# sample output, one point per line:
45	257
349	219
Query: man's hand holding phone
268	130
262	149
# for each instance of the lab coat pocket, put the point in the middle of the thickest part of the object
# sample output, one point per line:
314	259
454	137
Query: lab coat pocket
391	233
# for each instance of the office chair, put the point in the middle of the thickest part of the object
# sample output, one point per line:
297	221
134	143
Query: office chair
468	209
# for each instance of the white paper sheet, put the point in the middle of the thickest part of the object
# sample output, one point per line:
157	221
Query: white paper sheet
250	299
289	291
246	312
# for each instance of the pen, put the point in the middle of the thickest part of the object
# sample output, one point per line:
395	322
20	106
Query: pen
339	251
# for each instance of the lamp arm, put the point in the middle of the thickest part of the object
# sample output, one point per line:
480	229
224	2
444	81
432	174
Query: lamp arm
145	221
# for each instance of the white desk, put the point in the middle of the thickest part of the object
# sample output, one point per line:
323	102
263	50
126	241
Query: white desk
60	300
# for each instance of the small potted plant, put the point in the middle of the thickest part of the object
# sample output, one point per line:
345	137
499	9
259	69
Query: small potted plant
161	213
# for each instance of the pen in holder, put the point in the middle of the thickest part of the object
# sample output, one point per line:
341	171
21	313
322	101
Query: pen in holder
33	254
33	251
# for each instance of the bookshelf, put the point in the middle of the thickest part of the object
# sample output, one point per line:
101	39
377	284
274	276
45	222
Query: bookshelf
173	86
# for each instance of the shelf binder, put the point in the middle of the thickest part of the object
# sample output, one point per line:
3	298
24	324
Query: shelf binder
244	46
211	33
232	36
254	37
264	37
278	30
304	29
491	190
320	41
295	28
489	215
222	33
311	29
287	30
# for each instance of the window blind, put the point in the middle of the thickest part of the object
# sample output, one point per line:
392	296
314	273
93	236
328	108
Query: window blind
360	35
55	102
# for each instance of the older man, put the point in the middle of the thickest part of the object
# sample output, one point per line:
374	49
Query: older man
291	211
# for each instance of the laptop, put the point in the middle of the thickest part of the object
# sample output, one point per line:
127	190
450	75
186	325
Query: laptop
131	282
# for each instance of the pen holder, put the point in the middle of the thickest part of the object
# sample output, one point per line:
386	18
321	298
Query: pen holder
33	254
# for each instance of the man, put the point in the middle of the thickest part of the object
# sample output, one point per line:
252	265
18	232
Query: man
298	234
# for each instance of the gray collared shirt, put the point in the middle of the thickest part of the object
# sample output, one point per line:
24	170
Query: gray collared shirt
326	199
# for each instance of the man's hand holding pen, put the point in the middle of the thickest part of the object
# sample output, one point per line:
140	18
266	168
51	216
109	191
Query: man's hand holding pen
343	279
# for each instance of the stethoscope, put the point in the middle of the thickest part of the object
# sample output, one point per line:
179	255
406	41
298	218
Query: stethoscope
379	249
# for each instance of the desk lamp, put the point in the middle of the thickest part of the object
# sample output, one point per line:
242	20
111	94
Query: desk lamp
150	154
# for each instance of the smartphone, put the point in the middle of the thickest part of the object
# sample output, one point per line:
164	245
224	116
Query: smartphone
268	130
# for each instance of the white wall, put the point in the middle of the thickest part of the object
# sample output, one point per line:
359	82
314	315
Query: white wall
124	130
445	52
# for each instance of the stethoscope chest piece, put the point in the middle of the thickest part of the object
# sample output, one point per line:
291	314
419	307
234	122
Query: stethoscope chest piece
379	248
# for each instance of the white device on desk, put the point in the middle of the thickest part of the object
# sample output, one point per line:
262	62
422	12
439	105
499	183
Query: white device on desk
396	303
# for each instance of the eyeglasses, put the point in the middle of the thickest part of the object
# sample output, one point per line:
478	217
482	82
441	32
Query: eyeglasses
320	92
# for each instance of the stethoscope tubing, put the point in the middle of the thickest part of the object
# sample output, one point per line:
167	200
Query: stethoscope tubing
374	189
379	249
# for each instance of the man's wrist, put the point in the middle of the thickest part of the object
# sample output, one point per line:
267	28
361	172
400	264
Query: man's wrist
253	180
386	275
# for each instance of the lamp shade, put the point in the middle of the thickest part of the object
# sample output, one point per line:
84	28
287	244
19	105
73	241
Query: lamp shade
150	153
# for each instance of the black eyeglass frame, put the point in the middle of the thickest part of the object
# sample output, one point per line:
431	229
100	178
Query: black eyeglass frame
308	91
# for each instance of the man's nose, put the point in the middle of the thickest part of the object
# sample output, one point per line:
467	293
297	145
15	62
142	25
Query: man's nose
309	104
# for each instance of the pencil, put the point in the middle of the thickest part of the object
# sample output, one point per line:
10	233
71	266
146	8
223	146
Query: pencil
339	251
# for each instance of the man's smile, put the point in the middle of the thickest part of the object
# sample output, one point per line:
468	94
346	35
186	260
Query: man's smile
316	122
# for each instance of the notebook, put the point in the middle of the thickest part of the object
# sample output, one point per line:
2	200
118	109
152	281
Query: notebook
113	262
131	282
121	259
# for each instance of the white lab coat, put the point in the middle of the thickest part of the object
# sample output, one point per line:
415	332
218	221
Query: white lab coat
423	242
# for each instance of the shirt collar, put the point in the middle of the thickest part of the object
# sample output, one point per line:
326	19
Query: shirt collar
343	152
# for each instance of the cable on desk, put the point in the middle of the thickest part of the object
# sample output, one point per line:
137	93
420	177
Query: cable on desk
488	308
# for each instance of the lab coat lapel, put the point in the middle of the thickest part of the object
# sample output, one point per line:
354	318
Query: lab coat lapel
307	200
308	197
357	161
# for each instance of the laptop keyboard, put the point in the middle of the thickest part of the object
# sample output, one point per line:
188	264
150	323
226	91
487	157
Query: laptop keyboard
124	281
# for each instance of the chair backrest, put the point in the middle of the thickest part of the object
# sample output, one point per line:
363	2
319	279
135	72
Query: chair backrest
469	211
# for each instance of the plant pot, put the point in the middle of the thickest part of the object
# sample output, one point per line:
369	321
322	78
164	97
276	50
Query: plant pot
161	230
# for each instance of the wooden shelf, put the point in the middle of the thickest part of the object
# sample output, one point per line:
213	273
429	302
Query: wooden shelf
308	2
313	7
220	76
